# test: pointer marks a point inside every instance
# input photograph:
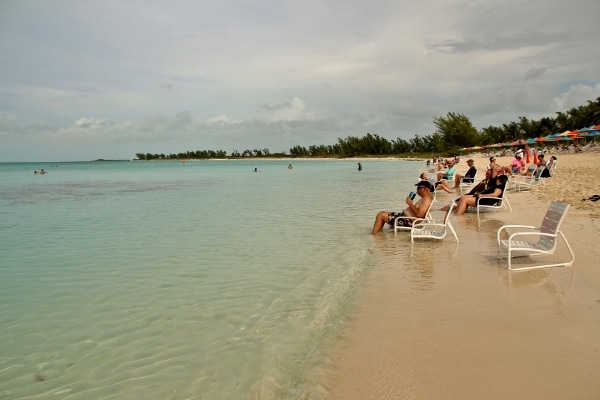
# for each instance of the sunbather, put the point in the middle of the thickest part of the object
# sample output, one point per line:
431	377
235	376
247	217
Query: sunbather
414	210
436	184
496	189
469	175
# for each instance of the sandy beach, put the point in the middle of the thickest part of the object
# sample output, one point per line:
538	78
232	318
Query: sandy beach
458	325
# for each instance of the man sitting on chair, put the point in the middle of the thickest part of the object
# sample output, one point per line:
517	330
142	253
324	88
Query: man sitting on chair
469	175
414	210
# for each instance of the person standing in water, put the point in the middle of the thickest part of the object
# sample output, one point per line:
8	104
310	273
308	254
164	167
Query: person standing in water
359	166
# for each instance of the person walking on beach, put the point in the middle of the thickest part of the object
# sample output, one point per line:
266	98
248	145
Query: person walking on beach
414	210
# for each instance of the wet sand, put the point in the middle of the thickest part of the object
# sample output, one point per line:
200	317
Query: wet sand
454	323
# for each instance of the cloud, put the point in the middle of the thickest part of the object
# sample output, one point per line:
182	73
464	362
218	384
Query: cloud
534	73
295	110
224	75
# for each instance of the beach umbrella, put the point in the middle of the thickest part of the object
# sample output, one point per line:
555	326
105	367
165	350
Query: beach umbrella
527	160
518	142
542	139
585	130
530	141
535	157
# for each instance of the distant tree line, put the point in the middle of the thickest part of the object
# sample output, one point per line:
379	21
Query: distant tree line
452	132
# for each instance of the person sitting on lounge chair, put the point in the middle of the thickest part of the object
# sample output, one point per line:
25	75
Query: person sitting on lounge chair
517	165
448	175
496	189
469	175
550	167
414	210
437	185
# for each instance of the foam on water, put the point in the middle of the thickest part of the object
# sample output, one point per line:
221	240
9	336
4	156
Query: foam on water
169	280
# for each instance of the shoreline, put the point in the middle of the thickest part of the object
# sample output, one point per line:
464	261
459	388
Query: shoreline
446	321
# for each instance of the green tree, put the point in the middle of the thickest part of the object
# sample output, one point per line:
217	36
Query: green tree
456	131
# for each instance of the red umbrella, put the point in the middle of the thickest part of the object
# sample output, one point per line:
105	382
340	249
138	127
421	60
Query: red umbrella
535	157
527	157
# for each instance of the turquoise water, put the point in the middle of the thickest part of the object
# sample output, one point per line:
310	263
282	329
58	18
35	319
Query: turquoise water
164	280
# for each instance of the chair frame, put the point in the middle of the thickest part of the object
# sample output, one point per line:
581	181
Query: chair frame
432	229
466	187
501	204
529	182
547	234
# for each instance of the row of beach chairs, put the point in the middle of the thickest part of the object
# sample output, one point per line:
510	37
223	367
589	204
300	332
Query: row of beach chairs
512	240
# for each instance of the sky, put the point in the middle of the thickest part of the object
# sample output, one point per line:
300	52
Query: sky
83	80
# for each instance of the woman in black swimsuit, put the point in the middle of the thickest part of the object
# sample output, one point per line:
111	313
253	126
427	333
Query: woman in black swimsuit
496	190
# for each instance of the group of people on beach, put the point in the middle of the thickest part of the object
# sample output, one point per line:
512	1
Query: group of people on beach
485	192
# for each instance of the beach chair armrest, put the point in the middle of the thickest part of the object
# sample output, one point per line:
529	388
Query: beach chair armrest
531	233
507	227
426	223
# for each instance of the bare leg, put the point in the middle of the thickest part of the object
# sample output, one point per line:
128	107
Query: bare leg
464	202
381	219
457	179
444	186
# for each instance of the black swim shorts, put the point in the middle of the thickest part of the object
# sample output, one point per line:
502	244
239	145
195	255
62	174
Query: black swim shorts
401	221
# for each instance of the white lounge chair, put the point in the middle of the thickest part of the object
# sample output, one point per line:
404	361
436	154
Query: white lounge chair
529	182
465	187
546	236
432	229
501	203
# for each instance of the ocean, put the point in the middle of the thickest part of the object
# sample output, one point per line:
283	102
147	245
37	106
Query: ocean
195	280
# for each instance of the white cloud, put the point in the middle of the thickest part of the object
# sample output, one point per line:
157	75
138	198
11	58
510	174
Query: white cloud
82	78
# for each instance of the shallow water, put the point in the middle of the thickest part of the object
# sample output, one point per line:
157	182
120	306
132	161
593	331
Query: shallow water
155	280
